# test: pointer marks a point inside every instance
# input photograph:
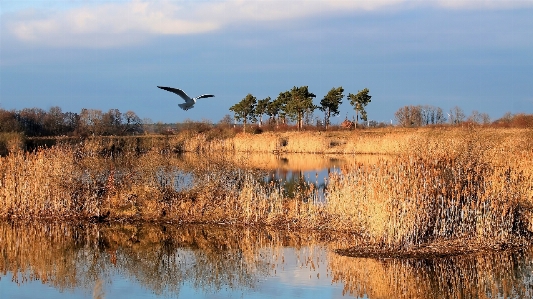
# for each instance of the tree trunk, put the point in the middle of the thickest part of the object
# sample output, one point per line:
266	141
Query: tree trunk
326	120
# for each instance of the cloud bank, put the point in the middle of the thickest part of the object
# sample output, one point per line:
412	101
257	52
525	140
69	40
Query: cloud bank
108	24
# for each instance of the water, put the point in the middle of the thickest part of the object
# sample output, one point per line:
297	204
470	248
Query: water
121	260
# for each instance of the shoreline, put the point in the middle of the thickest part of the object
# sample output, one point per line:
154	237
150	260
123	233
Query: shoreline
362	249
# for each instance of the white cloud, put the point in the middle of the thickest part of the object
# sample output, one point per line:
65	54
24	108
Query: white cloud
106	25
121	23
485	4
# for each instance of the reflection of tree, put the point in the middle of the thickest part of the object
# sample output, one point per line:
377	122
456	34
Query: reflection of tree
296	185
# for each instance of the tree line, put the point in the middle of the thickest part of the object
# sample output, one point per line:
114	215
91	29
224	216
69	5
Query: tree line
423	115
35	122
297	105
292	105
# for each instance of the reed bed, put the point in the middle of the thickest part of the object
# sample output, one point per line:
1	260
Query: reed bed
348	142
65	182
437	191
442	186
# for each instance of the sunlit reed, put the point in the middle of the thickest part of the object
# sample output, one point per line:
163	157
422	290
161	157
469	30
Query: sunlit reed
440	186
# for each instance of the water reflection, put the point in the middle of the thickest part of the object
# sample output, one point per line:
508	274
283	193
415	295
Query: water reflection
488	275
308	173
294	172
171	259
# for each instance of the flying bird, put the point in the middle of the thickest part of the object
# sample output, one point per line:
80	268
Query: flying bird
189	103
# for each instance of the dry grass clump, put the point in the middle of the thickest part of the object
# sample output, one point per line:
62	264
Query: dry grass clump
84	182
11	143
436	190
38	184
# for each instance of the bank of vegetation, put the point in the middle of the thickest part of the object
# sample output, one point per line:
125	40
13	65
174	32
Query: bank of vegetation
436	189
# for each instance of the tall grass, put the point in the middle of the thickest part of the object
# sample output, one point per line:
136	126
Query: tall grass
466	185
10	142
65	182
439	191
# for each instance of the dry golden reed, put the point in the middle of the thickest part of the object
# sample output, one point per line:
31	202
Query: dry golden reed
441	184
437	189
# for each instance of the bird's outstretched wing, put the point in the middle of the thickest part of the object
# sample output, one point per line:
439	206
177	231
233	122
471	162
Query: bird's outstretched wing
179	92
205	96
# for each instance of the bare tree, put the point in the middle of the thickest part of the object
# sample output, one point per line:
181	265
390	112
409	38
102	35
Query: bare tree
409	116
132	123
456	115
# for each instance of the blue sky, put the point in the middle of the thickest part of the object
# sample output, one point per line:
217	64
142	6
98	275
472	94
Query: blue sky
76	54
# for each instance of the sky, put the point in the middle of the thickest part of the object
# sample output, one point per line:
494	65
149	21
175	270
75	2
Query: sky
98	54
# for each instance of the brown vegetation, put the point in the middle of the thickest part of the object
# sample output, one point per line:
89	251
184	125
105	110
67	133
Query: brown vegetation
441	185
461	188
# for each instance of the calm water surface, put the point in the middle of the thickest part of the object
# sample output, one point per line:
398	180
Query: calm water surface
59	260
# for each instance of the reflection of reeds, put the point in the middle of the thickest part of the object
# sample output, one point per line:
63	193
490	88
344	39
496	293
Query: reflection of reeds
98	292
164	257
159	257
489	275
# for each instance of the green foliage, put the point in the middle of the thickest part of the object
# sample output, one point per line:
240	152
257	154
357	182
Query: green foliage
273	109
278	107
330	103
261	108
359	102
245	109
300	101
